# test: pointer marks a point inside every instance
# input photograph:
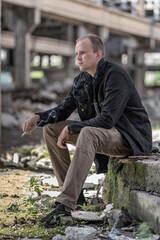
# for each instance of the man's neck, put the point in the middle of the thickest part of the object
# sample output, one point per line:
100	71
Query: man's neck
94	69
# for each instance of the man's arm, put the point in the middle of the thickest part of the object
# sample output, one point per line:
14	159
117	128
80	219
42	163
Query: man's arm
59	113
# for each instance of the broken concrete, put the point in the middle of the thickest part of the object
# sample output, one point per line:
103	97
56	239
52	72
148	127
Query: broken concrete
135	185
78	233
87	216
146	207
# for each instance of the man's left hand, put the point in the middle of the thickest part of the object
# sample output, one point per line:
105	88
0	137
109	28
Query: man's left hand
63	137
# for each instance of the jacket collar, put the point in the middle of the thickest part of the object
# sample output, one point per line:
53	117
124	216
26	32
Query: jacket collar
101	67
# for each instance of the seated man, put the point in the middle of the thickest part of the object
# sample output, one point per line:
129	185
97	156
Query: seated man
113	122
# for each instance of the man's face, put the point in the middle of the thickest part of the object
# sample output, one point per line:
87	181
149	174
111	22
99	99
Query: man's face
86	58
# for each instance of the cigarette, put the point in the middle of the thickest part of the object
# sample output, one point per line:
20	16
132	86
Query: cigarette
23	134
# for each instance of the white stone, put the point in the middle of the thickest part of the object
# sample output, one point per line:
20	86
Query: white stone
9	157
71	147
51	193
95	178
16	158
51	181
90	193
8	120
107	209
156	135
87	216
77	233
85	233
44	162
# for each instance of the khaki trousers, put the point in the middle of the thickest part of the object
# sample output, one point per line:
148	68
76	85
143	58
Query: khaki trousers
71	175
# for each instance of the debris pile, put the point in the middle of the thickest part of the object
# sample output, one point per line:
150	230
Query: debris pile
18	105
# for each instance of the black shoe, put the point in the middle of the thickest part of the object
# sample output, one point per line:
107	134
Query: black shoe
81	199
54	217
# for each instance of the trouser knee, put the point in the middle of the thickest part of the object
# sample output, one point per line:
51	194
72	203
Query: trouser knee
87	139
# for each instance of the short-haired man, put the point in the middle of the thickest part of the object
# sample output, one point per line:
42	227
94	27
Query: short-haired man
113	122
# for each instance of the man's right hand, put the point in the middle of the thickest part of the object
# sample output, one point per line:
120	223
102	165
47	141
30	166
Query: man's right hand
30	124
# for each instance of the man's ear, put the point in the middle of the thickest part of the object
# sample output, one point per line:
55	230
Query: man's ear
99	54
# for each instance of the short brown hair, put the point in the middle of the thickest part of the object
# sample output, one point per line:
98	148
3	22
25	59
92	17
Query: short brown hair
95	41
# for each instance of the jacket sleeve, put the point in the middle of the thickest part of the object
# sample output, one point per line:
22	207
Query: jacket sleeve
59	113
116	95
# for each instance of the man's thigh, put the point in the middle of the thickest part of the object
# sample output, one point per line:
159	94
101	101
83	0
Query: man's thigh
109	141
57	128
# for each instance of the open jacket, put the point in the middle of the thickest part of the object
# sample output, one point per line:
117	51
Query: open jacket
107	100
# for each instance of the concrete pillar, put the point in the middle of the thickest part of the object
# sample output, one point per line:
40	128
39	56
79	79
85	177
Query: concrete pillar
103	33
69	66
70	33
22	21
152	43
82	30
99	2
21	56
140	72
140	8
130	53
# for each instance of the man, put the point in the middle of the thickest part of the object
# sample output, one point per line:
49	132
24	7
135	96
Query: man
113	122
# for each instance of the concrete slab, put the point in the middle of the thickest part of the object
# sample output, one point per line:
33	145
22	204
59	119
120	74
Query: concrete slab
142	175
146	207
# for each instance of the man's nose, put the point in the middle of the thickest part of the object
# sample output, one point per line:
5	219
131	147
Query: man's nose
78	56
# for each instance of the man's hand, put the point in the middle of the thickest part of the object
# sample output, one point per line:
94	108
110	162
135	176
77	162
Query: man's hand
30	124
63	137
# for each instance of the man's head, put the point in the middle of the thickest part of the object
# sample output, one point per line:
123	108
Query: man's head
89	50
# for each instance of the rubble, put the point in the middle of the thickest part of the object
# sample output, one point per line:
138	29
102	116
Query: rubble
78	233
87	216
8	120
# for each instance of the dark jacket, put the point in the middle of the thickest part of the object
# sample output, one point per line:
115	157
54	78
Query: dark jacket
108	100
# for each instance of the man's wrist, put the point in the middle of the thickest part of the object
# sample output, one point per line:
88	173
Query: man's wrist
70	130
37	117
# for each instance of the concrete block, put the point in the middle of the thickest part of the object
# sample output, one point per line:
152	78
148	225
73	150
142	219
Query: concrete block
145	207
142	175
135	186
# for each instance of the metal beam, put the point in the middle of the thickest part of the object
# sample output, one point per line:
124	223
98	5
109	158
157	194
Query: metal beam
40	44
84	12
